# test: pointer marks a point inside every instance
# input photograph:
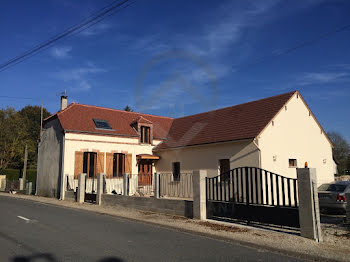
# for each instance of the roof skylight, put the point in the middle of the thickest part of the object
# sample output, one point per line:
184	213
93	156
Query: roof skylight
102	124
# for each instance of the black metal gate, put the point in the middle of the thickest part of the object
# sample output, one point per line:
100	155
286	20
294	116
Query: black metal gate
90	192
253	194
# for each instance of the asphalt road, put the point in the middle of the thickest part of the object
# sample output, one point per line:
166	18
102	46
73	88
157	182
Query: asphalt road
61	234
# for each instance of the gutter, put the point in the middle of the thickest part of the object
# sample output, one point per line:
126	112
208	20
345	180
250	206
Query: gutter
37	168
62	167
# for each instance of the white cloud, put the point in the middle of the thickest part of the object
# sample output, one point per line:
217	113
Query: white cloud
323	78
96	29
61	52
79	78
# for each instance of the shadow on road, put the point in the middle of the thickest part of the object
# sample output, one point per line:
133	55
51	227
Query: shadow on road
51	258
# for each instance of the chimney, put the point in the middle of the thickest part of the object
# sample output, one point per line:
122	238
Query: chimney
64	102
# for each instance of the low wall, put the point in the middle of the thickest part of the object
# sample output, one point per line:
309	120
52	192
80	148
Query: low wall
167	206
70	196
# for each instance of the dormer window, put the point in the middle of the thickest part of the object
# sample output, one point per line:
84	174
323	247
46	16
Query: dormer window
102	124
145	134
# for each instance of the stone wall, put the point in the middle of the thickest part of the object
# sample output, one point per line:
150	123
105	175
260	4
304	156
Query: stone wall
166	206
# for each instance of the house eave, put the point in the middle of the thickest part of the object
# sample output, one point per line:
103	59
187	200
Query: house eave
204	144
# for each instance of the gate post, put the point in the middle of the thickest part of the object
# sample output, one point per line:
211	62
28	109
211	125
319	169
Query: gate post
347	195
29	188
81	188
99	192
199	194
309	212
126	185
64	183
21	184
156	185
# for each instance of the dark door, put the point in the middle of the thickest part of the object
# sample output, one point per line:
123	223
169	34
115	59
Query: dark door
224	169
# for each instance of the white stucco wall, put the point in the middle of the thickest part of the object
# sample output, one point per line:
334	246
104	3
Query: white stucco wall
240	153
294	134
87	142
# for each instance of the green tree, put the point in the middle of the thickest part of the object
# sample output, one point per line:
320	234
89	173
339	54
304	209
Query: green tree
128	108
341	151
13	137
31	118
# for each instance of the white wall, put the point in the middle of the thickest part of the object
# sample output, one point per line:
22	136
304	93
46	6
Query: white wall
295	134
240	153
87	142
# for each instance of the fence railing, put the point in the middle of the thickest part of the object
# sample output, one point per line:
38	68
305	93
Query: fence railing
176	187
12	185
71	183
141	185
251	185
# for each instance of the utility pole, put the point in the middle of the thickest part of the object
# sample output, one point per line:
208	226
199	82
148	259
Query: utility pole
25	165
41	118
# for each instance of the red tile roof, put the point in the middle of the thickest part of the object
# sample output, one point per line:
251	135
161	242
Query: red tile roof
79	118
244	121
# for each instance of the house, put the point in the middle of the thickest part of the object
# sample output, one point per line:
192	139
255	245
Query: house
278	134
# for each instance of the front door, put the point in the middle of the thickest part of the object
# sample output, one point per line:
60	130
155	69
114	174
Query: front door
145	173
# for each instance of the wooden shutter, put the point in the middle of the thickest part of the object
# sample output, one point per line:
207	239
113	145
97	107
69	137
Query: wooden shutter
128	164
100	162
109	165
78	164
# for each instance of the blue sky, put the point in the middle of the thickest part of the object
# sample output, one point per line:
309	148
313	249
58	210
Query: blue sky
177	58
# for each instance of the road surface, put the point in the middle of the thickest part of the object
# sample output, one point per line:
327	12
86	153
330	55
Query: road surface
31	231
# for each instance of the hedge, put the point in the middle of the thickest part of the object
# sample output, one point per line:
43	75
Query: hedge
15	174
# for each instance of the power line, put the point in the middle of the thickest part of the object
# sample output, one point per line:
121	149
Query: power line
20	98
86	23
299	46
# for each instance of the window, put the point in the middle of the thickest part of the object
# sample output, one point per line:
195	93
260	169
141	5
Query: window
339	188
292	163
101	124
224	169
118	165
89	164
176	171
145	135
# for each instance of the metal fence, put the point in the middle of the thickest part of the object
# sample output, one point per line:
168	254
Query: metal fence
12	185
141	185
176	187
254	186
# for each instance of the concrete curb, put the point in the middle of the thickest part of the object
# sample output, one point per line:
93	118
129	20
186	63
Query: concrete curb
283	251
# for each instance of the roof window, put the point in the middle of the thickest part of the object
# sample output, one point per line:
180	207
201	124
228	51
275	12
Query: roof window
102	124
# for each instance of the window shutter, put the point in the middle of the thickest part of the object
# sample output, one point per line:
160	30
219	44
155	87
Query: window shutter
128	164
100	162
109	165
78	164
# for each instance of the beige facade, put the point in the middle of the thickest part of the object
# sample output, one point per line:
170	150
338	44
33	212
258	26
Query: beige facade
295	134
105	144
240	153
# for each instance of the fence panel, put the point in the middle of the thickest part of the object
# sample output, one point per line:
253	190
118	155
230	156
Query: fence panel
114	185
141	185
253	194
176	188
12	185
72	184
